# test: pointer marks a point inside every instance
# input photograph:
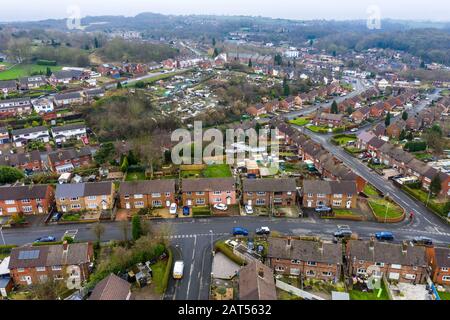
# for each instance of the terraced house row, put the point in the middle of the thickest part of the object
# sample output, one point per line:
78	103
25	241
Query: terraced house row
329	261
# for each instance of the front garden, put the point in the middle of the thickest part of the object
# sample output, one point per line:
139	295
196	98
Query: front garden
300	121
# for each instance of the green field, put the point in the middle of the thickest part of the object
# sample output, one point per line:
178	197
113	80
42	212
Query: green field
444	295
343	139
300	122
158	270
24	70
370	190
201	211
318	129
359	295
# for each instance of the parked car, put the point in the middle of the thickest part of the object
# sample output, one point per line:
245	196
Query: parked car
248	209
45	239
343	234
263	231
423	241
173	208
56	217
323	209
186	211
221	207
238	231
384	236
354	130
231	243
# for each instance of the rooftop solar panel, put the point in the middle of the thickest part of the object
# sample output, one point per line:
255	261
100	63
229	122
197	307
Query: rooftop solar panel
27	255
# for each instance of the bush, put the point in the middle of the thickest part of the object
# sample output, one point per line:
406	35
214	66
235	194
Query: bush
39	244
166	277
227	251
6	249
414	146
43	62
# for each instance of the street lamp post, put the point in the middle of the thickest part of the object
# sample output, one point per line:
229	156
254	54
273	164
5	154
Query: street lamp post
428	199
1	233
212	240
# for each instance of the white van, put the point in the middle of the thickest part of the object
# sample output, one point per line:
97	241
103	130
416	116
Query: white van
178	270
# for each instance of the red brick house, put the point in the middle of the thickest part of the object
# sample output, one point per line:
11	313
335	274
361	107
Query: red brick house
398	262
66	262
208	191
328	119
32	199
267	192
25	161
68	159
147	194
439	260
309	259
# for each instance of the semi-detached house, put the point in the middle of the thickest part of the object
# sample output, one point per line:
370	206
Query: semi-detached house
147	194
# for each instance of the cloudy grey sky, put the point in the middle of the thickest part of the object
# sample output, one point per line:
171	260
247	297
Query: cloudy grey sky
293	9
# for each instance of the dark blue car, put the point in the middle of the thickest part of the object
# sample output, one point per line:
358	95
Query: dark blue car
45	239
384	236
240	231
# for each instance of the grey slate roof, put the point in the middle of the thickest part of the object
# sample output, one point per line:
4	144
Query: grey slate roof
329	187
208	184
305	250
256	282
68	127
388	253
23	192
442	256
147	187
83	189
29	130
69	154
269	185
111	288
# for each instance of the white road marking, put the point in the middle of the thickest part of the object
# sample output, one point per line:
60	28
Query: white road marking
192	264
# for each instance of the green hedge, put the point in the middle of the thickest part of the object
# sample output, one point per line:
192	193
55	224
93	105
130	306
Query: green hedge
165	281
6	249
43	62
38	244
227	251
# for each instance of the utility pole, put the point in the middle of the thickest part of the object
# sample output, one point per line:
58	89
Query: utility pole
212	240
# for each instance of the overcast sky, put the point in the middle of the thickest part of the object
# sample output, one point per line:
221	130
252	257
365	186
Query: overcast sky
293	9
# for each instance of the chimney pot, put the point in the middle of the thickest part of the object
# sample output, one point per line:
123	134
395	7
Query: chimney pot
261	272
65	245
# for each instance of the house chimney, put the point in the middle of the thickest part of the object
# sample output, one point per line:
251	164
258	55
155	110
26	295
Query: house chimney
261	272
372	244
65	246
321	246
404	247
289	242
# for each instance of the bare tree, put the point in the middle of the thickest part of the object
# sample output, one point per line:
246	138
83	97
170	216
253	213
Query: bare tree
125	228
49	289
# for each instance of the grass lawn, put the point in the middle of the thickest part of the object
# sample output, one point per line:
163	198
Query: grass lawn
359	295
159	269
23	70
344	212
71	217
379	208
422	196
201	211
423	155
135	176
343	139
217	171
187	174
444	295
445	92
300	122
318	129
370	191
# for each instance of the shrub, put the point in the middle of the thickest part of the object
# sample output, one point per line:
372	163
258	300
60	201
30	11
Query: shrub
6	249
166	277
227	251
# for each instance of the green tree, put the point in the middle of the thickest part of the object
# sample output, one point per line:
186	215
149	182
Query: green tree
216	52
387	121
286	88
349	110
334	107
10	175
250	63
214	42
119	85
422	64
48	73
278	59
105	154
402	135
136	227
436	185
96	44
124	166
405	115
